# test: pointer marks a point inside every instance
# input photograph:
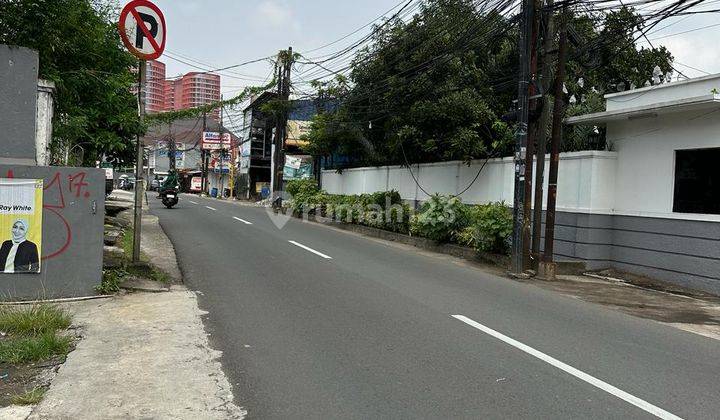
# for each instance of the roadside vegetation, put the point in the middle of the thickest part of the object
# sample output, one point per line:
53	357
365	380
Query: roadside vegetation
443	219
31	397
30	336
115	276
33	333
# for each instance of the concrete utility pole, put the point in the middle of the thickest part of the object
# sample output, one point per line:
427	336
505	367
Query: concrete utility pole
203	153
172	149
530	150
547	267
546	84
139	186
286	57
521	134
222	153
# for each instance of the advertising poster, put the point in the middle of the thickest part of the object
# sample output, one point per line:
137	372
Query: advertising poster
21	208
196	184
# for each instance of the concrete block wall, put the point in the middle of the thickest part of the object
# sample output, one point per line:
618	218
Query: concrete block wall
18	104
73	224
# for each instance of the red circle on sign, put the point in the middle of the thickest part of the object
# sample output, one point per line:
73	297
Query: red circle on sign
129	8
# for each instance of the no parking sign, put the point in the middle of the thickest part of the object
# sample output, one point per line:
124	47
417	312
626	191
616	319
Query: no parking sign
143	30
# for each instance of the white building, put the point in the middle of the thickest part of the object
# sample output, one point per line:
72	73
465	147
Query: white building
650	205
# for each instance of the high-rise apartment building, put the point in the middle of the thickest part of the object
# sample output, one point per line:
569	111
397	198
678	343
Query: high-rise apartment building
189	91
193	90
155	87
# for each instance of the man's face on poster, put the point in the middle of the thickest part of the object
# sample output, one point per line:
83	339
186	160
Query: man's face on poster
19	231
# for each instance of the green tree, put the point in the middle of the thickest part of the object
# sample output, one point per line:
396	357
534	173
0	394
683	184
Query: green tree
425	90
80	50
438	84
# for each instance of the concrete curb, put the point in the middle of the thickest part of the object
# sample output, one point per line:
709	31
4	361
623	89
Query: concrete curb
158	247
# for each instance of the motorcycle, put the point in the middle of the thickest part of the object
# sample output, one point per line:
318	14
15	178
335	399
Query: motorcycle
169	197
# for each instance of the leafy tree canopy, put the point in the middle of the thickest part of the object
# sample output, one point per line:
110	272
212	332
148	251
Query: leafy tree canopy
80	50
435	87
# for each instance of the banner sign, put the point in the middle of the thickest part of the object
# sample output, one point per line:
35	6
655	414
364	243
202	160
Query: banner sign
212	141
196	184
21	209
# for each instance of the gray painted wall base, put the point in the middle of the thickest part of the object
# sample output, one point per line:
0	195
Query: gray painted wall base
72	240
682	252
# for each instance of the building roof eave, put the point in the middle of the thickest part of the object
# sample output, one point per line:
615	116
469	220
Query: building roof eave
647	111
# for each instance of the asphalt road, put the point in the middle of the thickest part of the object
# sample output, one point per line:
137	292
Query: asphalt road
336	325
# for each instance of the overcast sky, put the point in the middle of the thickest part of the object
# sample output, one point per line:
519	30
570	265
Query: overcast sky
221	33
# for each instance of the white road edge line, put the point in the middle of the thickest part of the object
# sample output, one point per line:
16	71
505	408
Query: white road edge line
642	404
241	220
210	208
194	202
327	257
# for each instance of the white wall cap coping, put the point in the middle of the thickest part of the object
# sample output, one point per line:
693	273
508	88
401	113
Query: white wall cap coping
46	85
583	154
679	105
663	86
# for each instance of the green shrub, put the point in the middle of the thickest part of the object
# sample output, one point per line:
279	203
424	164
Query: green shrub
302	186
439	218
398	218
309	202
385	199
492	227
111	280
466	237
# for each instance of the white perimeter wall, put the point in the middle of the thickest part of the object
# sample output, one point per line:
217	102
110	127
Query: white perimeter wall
586	181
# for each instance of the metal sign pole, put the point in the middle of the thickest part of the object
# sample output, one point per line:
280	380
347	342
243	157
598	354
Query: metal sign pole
139	184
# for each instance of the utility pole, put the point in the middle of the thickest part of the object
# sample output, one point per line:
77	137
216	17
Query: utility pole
172	157
547	267
203	163
139	186
286	57
530	150
546	84
221	190
521	134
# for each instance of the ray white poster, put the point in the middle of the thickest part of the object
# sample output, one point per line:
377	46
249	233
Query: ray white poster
21	207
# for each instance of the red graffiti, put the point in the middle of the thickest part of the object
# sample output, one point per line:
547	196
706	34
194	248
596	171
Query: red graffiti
68	235
55	183
75	185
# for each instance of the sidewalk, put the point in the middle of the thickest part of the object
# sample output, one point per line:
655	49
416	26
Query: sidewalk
142	355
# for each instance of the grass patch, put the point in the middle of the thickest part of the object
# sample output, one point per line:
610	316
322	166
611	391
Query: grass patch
111	280
127	242
34	349
31	397
148	272
35	320
32	333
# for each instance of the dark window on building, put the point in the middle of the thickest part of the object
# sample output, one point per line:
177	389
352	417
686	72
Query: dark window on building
697	181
